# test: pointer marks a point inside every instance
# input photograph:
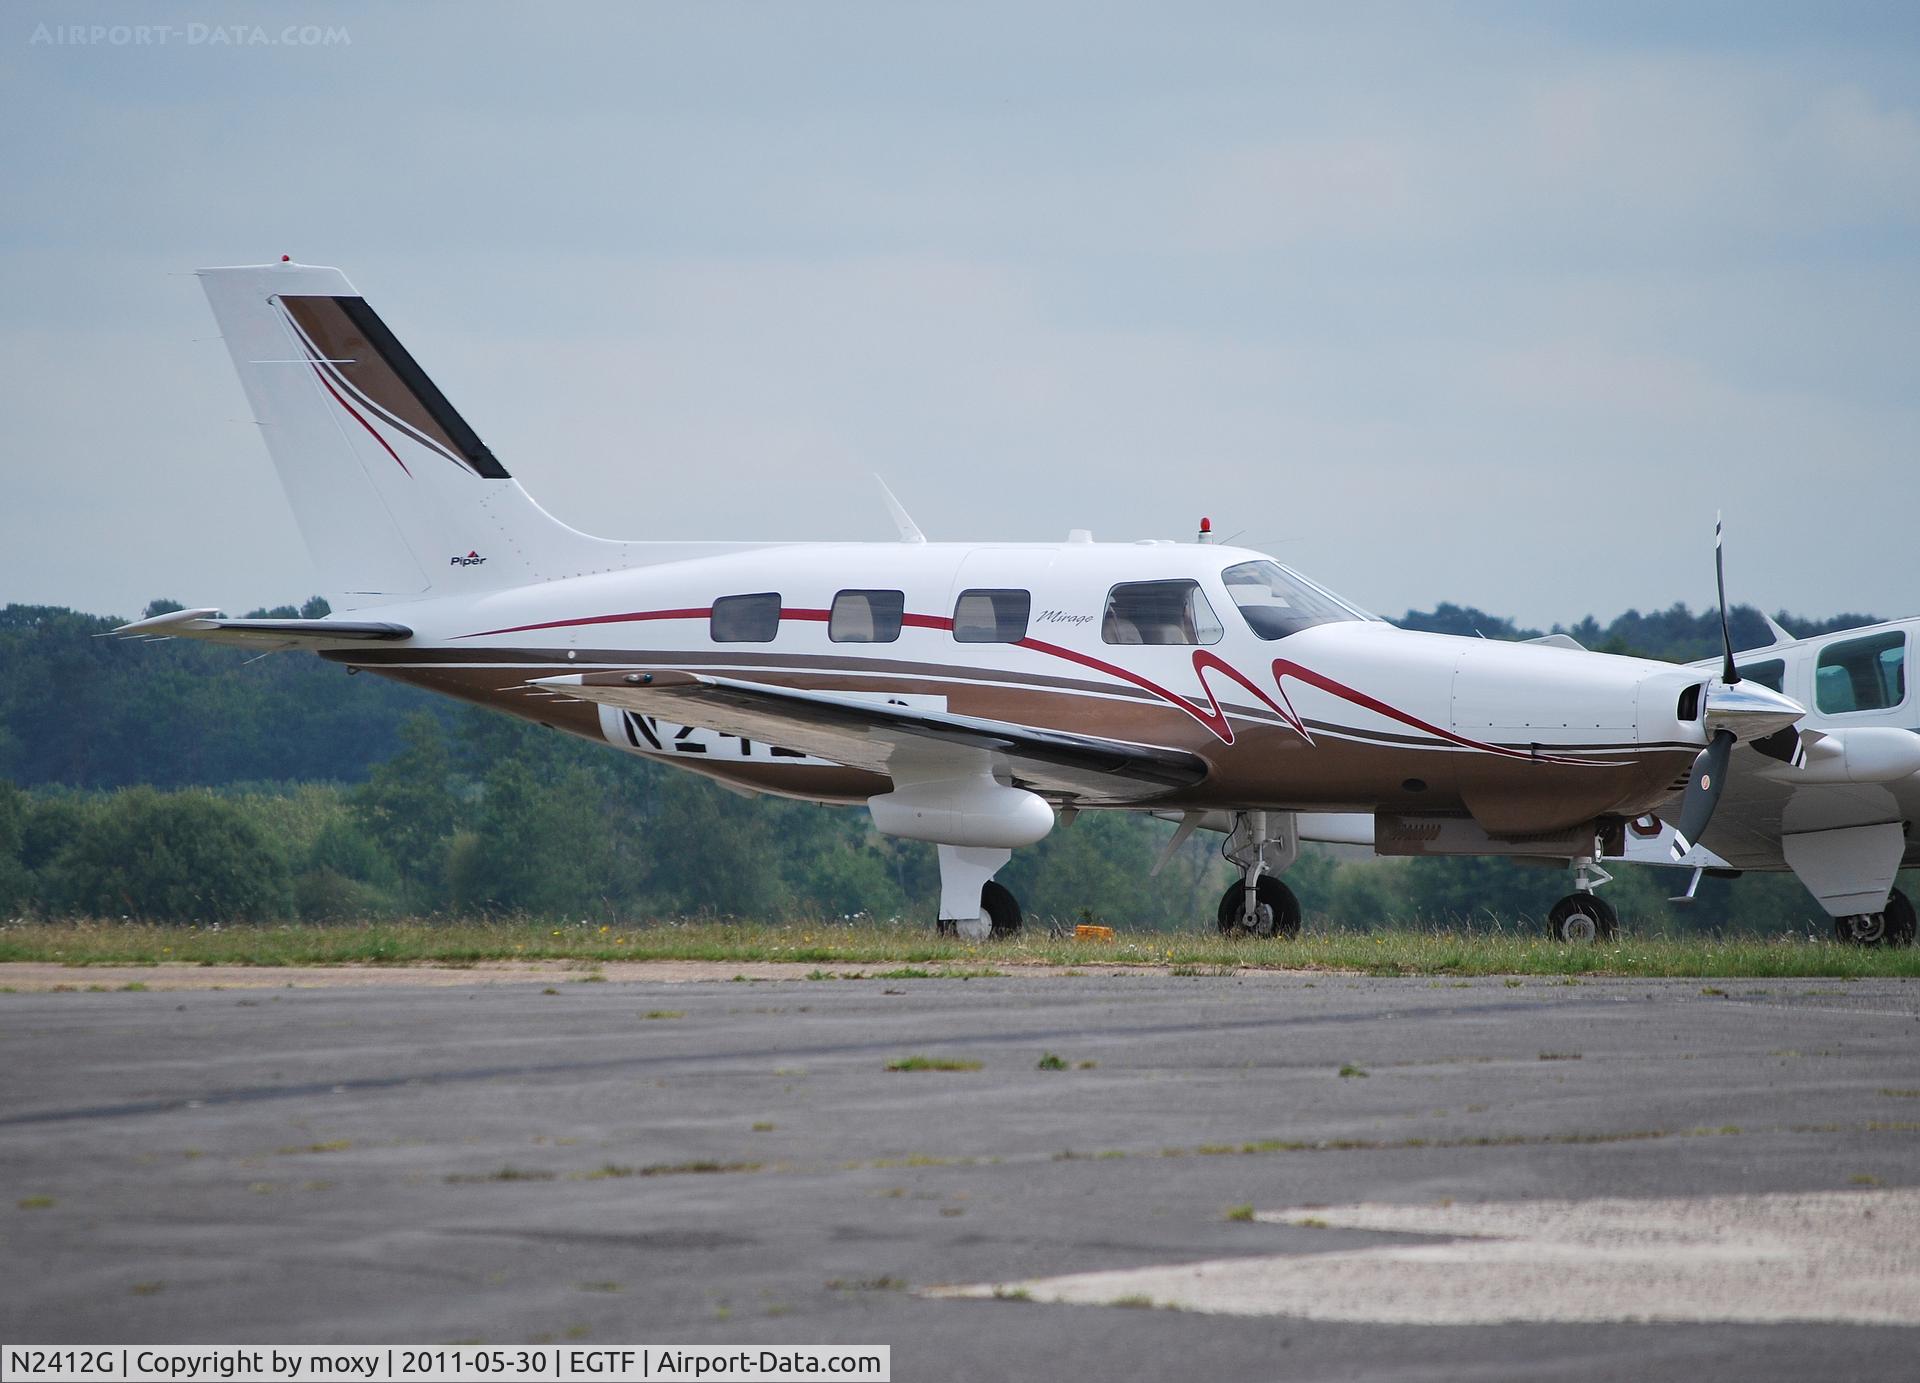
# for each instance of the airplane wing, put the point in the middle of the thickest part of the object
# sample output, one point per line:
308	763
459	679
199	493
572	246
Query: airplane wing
870	733
1846	779
265	635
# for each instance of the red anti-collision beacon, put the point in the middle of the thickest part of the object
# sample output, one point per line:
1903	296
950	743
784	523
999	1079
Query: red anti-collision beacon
1206	531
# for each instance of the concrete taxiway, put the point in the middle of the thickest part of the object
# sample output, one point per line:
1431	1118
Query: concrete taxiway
1308	1175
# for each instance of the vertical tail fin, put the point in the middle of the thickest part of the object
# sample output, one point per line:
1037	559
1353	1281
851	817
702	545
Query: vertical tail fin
396	496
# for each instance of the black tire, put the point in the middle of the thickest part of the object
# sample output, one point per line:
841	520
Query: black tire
1868	928
1900	919
1582	917
1279	910
1002	910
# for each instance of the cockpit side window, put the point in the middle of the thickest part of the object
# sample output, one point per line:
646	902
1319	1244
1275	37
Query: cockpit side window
1275	602
1771	674
1162	612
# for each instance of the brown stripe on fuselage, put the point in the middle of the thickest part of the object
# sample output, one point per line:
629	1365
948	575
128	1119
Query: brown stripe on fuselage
1267	765
721	661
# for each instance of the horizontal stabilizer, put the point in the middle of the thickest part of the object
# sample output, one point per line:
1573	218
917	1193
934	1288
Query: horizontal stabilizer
869	733
266	635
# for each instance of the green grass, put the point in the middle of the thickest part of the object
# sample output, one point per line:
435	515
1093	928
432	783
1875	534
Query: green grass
933	1063
907	945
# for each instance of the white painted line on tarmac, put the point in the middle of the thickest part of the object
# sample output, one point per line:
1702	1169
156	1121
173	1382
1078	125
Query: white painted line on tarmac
1851	1257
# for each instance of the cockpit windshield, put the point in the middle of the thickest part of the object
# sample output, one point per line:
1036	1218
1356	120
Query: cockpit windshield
1276	602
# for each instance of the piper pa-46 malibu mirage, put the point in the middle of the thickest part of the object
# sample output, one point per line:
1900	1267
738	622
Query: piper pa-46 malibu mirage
969	694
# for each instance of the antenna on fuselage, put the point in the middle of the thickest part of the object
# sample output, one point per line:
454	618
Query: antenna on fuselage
909	530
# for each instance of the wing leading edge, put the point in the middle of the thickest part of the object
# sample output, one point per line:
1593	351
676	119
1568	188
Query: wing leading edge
868	734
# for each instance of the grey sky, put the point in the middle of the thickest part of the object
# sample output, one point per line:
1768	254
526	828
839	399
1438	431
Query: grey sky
1483	303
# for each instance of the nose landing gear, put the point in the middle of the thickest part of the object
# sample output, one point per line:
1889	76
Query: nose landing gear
1276	912
1583	915
1262	844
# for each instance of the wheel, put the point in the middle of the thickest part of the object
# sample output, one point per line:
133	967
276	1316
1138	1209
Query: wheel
1002	909
1582	917
1277	910
1900	919
1866	928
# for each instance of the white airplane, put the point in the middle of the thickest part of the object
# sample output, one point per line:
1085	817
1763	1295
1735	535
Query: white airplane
1842	821
969	694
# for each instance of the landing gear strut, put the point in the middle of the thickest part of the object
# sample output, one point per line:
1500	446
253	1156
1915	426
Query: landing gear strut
1262	844
1583	915
971	903
1892	926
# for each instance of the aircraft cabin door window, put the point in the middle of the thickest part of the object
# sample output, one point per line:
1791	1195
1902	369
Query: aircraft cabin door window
991	616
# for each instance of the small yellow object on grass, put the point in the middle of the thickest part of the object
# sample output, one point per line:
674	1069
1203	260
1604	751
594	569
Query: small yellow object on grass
1087	932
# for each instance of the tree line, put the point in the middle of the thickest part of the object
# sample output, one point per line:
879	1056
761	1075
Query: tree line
182	782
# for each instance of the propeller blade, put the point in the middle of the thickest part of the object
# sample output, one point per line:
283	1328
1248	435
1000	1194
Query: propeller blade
1704	786
1728	672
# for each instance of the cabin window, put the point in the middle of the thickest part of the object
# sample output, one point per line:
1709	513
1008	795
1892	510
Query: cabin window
745	618
1771	674
991	616
1867	674
1159	612
1275	602
866	616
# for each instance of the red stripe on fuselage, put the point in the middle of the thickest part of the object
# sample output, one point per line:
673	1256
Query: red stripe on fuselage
633	617
1283	668
1212	715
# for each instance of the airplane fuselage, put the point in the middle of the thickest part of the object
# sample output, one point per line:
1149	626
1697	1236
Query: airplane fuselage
1347	714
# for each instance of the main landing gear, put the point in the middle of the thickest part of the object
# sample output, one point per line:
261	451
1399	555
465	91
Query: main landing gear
998	907
1892	926
1262	844
1583	915
971	903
